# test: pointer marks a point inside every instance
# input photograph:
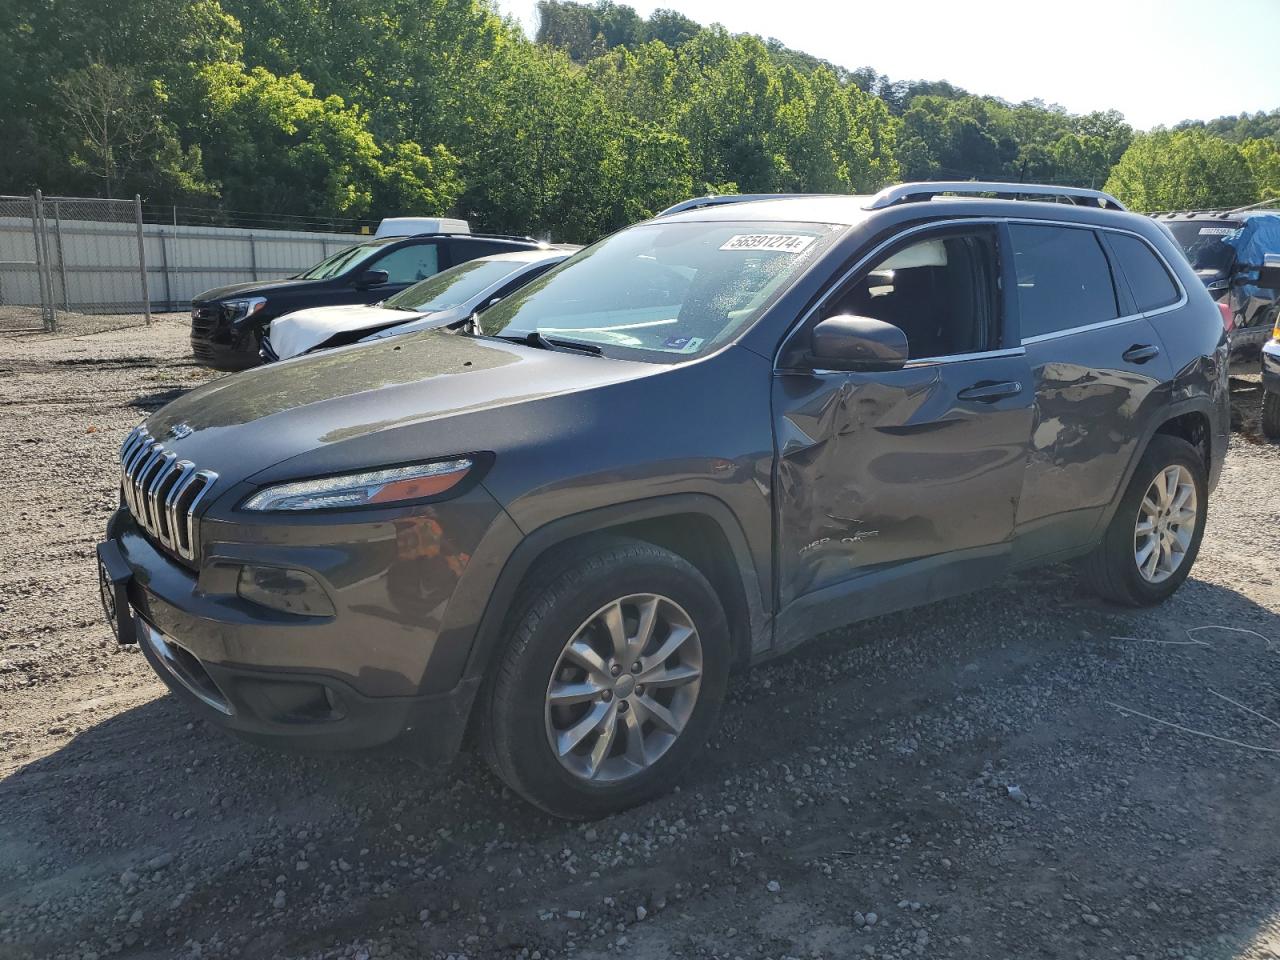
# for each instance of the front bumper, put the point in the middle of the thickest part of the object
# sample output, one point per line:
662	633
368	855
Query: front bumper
307	711
217	343
1271	366
309	683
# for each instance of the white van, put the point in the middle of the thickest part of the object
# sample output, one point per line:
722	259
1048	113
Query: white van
412	226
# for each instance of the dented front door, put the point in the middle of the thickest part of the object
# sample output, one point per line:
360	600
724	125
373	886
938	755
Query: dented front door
882	469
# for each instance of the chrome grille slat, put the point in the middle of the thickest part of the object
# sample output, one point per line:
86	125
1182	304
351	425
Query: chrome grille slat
163	492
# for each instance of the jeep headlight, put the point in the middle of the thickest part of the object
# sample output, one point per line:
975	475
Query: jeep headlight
372	488
238	310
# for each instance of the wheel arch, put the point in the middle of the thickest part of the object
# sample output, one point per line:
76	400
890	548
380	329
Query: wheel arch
1190	420
697	527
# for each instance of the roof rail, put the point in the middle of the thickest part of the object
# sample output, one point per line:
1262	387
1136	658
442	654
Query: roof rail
714	201
1260	205
909	192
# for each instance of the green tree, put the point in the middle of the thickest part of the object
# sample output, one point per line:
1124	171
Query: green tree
277	148
1263	157
119	134
1185	169
535	160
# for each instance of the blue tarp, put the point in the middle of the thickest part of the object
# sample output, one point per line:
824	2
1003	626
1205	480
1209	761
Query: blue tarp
1259	235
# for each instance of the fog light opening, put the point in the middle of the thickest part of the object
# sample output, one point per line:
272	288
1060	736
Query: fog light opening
284	589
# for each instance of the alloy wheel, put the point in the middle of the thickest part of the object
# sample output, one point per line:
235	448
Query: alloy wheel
1165	524
624	688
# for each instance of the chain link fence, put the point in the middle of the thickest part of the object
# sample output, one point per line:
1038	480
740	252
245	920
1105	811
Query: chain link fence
97	266
74	264
23	297
82	265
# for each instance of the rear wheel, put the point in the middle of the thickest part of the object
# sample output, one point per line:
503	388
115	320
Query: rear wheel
1152	541
1271	415
611	682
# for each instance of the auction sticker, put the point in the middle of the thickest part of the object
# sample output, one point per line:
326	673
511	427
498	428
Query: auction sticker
784	242
1217	231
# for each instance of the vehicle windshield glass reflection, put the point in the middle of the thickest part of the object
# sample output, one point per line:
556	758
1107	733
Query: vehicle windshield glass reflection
662	291
452	287
1201	241
343	260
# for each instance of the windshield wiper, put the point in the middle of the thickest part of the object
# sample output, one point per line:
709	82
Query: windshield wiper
535	338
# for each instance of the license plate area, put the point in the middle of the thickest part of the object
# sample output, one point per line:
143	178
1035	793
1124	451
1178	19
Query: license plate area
113	589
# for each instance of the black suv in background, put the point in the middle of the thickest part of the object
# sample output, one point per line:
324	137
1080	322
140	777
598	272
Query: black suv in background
1212	240
227	322
690	446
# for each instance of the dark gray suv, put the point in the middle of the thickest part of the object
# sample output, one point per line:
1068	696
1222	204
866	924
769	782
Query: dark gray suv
689	447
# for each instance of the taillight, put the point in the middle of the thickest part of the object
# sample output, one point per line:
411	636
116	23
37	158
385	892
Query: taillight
1228	321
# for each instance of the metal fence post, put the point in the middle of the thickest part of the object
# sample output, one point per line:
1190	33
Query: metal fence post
62	261
48	313
164	264
253	257
142	257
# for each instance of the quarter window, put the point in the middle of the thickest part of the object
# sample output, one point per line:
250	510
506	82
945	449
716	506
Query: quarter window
1064	280
1149	281
410	264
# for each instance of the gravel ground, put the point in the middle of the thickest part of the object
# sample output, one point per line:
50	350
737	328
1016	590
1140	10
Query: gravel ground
971	779
22	319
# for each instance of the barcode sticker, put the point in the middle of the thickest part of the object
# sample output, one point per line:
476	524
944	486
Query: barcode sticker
784	242
1216	231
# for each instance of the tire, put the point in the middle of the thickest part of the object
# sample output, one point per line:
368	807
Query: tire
574	598
1271	415
1112	571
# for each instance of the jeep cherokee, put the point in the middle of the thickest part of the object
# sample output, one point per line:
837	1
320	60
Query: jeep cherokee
689	447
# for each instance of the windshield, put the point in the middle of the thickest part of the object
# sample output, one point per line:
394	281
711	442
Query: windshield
1201	241
667	291
344	260
453	287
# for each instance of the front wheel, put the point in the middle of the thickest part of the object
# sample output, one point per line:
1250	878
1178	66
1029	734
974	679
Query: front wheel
611	682
1271	415
1152	541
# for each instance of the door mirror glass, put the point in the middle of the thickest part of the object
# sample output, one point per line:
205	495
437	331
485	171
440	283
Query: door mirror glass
849	342
371	278
1269	275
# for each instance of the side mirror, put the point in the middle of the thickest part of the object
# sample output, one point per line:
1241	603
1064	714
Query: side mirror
1269	275
372	278
857	343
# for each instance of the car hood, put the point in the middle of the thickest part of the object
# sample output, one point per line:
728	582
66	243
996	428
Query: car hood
296	333
252	288
371	400
1208	276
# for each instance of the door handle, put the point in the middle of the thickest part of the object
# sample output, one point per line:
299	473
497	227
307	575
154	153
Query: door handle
1141	353
991	392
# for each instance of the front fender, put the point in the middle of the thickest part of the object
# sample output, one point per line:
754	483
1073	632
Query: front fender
485	599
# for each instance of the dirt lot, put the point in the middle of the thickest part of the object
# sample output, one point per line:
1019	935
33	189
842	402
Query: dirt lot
973	779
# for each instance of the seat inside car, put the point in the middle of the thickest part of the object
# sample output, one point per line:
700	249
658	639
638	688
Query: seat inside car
934	291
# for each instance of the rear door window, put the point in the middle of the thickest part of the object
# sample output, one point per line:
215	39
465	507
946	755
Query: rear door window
409	264
1149	281
1064	280
468	249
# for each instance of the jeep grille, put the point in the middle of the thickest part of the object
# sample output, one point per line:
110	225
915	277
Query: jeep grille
162	492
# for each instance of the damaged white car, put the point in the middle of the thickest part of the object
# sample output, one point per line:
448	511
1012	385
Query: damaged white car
448	298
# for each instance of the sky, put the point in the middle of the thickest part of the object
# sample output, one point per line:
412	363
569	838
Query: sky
1155	62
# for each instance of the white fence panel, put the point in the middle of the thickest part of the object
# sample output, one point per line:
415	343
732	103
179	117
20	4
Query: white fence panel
64	259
